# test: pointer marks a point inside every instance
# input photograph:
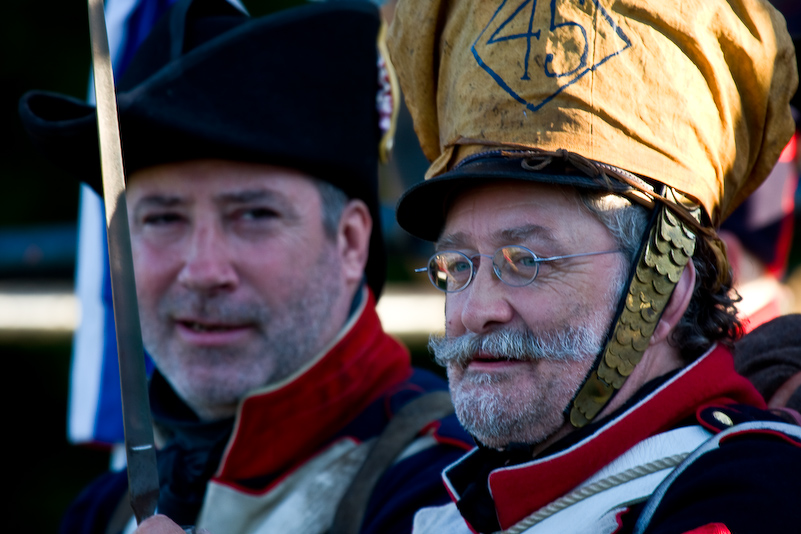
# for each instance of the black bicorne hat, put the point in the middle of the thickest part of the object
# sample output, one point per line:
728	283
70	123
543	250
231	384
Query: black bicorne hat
296	89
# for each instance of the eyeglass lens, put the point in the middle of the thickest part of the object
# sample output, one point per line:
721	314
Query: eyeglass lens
516	266
452	271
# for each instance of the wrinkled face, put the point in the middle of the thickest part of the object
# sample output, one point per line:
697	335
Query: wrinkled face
238	284
516	356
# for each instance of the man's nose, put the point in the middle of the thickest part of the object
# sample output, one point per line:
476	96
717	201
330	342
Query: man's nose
208	264
485	305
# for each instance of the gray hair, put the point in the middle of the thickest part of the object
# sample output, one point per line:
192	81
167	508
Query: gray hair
625	221
333	201
711	315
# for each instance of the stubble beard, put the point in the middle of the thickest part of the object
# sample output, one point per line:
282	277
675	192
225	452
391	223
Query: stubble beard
491	407
212	380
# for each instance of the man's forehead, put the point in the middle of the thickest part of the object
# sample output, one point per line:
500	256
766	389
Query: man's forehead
217	179
165	197
509	212
502	236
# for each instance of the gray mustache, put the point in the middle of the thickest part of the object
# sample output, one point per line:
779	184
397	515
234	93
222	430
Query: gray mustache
568	344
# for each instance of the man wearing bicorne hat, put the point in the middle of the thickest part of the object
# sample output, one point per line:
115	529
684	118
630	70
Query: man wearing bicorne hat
252	147
583	154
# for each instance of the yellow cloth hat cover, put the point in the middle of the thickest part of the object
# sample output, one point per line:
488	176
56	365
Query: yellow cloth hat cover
694	94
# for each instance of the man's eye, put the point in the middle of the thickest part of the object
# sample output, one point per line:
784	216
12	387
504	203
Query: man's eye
258	214
158	219
458	267
526	261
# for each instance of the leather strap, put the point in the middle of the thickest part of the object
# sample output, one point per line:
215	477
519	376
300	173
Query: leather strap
399	433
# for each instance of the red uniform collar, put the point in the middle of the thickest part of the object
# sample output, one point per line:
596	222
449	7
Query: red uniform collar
522	489
281	426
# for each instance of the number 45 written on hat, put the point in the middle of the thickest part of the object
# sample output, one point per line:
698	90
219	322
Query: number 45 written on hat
539	33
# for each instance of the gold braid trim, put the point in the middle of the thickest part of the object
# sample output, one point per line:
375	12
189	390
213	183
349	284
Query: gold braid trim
670	246
585	492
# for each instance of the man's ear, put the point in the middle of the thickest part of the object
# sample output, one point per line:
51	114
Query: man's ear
353	239
677	305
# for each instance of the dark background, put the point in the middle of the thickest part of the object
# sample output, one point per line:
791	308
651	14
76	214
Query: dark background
42	45
45	45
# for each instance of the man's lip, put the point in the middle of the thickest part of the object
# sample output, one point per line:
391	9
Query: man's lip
208	324
209	333
489	362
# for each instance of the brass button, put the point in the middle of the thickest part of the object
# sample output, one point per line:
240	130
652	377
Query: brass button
722	418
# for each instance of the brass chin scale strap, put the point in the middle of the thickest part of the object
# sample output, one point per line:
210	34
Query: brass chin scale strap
669	248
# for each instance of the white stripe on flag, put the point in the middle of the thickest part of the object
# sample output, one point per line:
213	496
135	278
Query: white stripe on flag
88	345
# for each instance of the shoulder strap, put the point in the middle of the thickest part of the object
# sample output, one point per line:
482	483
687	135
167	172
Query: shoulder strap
713	443
399	433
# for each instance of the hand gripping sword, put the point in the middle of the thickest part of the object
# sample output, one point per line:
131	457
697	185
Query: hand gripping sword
143	480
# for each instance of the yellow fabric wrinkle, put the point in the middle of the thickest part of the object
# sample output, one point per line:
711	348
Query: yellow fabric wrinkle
594	81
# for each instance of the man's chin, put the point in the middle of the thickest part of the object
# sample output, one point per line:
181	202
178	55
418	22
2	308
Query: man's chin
214	410
213	401
512	432
499	438
498	412
501	379
210	389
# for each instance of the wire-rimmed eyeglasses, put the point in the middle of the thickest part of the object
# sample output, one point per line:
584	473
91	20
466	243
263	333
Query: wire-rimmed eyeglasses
452	271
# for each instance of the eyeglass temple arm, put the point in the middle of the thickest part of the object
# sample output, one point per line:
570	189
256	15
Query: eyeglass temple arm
553	258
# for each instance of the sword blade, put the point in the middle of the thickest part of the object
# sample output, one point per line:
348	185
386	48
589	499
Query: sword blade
143	481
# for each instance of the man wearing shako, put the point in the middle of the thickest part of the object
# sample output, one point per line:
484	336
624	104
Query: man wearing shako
583	154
